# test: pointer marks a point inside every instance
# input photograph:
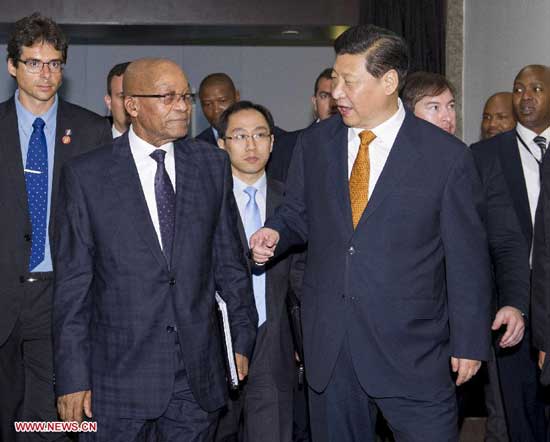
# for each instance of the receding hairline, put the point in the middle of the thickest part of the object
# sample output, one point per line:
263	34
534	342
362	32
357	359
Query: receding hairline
533	67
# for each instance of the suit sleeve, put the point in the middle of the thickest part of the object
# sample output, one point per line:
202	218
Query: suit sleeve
105	134
508	249
72	299
467	261
540	309
231	272
290	219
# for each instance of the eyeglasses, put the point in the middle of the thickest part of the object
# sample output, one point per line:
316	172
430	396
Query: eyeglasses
259	138
34	66
169	99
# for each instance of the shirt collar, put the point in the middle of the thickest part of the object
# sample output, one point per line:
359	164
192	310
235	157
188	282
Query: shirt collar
26	118
386	131
215	132
142	149
116	133
260	184
527	135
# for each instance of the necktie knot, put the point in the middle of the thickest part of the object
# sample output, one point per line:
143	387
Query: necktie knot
158	155
251	192
38	124
541	142
366	137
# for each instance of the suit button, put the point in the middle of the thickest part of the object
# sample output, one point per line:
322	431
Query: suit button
27	237
343	296
351	250
172	281
171	328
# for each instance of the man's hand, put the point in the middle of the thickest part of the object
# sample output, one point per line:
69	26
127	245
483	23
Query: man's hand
466	369
515	326
70	406
262	244
542	357
242	365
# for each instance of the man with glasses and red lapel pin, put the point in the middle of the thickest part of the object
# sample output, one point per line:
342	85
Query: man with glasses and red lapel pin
40	132
147	233
265	403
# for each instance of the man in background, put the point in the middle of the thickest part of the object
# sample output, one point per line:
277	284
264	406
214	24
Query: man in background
216	93
40	132
266	402
509	164
324	105
498	115
431	97
114	100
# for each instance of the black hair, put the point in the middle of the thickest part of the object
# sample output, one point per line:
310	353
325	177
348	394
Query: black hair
240	106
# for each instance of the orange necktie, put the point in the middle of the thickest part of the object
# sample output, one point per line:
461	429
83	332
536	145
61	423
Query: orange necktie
359	179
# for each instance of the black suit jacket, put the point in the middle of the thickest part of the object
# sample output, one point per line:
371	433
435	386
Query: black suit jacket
499	165
410	286
208	136
115	294
88	131
540	310
282	274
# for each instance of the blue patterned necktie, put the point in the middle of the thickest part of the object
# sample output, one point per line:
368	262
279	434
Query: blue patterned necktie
36	181
252	222
166	204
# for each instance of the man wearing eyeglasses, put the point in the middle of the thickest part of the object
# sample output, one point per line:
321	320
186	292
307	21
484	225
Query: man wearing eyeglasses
40	132
147	235
265	403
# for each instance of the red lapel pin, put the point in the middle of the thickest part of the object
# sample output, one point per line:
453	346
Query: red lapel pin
67	137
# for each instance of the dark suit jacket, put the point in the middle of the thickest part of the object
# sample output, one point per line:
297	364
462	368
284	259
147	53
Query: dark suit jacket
88	131
283	274
499	165
410	286
115	294
208	136
540	310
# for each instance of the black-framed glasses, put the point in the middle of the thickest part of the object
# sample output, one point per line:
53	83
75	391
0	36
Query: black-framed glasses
34	66
260	137
169	99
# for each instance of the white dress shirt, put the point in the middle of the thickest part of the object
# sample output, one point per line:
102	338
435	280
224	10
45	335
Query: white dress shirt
531	170
147	167
116	133
379	148
242	198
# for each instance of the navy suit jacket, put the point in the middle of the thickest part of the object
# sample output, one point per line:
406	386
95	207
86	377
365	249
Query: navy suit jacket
410	286
89	130
115	294
208	136
509	226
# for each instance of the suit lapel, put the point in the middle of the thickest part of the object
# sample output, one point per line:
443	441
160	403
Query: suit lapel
513	173
186	183
62	153
403	156
338	167
127	184
10	154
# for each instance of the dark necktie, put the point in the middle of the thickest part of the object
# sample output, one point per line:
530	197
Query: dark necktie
541	143
36	181
166	204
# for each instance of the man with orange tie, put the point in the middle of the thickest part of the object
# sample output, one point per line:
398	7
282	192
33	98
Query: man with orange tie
397	286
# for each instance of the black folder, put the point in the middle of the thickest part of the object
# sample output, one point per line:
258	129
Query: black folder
293	306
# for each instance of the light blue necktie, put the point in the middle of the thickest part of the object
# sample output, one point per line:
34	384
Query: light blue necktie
253	222
36	180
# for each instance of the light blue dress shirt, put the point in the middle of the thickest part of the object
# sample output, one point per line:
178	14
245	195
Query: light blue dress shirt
25	118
